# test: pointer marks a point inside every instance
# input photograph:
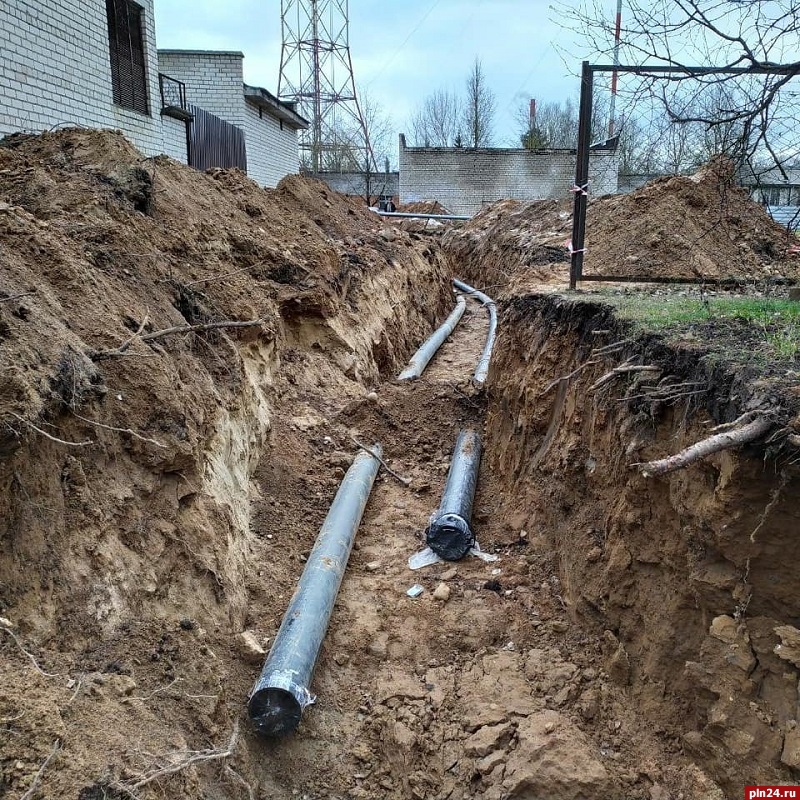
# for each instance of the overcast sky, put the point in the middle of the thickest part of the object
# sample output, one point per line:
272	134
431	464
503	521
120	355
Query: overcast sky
402	49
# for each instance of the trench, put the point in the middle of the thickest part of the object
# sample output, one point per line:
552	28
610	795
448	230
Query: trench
623	645
609	652
500	680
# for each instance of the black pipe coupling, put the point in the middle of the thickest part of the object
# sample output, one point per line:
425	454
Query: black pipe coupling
450	537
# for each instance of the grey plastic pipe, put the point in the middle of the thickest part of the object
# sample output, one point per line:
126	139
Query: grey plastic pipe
449	535
420	359
482	370
282	690
414	215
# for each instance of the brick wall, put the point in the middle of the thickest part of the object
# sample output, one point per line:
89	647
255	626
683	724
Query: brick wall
55	70
464	180
213	80
271	151
174	139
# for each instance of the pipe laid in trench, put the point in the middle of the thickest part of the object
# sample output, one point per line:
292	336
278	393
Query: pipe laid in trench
282	690
415	215
416	366
449	534
482	370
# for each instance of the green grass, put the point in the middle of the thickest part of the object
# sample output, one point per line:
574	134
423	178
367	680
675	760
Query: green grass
776	320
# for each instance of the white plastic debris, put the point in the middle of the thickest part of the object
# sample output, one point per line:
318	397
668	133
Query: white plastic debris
415	591
426	557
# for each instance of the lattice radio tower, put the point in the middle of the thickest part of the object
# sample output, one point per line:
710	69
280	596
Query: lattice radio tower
317	75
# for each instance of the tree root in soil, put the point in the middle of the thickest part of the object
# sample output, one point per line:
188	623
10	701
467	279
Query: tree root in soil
726	440
187	759
99	355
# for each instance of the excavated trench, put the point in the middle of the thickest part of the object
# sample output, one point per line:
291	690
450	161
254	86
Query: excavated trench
623	645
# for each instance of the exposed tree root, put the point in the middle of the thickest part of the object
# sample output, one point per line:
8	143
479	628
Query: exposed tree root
187	759
38	776
405	481
99	355
713	444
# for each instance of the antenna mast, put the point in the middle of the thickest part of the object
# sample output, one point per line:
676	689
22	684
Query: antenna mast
317	76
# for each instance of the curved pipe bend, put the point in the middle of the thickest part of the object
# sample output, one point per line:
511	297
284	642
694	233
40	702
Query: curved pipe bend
482	370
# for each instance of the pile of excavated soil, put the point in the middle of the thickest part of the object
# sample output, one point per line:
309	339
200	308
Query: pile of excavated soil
424	207
697	226
157	490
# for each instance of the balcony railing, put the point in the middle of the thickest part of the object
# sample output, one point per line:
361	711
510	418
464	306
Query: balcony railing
173	98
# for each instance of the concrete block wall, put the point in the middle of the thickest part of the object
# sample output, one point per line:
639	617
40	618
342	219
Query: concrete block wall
381	183
464	180
213	80
55	70
272	152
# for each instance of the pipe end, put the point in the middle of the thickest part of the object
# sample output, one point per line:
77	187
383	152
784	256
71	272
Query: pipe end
275	712
450	537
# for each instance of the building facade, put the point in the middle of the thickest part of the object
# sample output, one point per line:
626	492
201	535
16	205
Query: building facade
95	64
92	64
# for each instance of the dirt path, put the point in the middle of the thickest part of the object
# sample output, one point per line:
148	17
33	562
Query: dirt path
483	693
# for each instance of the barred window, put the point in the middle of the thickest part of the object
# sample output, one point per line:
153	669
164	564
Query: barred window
128	60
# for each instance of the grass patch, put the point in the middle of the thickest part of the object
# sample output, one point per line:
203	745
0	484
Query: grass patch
776	321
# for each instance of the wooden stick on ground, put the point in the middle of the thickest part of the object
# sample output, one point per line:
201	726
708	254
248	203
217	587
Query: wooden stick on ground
405	481
38	776
713	444
16	297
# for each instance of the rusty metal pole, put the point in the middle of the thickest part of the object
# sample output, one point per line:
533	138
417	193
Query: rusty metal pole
283	690
581	176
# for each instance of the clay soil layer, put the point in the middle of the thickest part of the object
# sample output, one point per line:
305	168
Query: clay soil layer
161	488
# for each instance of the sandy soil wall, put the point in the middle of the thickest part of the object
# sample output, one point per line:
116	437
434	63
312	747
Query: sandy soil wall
689	577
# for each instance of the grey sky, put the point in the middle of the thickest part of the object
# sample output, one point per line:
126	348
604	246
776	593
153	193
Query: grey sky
402	49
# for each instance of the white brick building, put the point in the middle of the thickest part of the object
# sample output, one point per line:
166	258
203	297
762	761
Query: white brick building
214	81
94	63
56	61
463	180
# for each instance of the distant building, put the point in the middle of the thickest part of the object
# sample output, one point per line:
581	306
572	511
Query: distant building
465	179
778	191
378	186
95	64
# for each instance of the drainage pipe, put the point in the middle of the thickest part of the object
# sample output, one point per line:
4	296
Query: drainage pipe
414	215
282	690
428	349
482	370
449	534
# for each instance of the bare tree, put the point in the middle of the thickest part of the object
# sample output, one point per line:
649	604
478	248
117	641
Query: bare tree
750	34
435	122
479	108
353	151
556	124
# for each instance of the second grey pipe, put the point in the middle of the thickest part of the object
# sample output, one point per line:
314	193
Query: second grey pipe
482	370
420	359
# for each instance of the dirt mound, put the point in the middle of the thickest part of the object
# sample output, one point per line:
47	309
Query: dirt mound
424	207
135	540
698	226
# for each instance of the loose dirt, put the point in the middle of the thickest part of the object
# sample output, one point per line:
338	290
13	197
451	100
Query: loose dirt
159	498
697	226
